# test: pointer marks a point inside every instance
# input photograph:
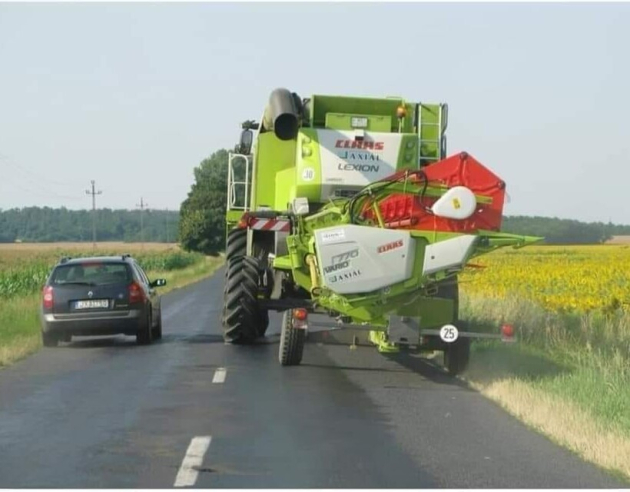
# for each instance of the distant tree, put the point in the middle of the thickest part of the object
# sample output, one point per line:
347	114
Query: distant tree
202	214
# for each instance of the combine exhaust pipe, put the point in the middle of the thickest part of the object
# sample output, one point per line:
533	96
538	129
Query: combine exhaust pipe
282	114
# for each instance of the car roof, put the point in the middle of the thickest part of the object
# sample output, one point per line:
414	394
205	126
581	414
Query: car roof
96	259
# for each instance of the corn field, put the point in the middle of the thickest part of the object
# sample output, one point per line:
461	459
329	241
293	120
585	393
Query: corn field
27	275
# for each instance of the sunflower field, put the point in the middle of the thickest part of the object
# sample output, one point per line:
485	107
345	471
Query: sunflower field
561	279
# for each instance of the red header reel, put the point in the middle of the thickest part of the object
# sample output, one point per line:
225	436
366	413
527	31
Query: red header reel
413	211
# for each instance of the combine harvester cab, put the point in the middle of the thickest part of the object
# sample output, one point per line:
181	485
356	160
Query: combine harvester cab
349	207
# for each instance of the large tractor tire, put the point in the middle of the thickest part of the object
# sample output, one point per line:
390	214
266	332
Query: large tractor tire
236	243
457	353
242	319
291	342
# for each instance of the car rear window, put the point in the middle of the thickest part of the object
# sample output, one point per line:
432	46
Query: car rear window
91	273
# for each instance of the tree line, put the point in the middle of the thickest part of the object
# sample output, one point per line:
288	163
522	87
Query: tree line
563	231
45	224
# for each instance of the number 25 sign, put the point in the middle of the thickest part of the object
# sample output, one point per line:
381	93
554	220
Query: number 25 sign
449	333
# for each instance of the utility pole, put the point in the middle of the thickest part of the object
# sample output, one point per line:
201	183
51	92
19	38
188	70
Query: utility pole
167	226
142	206
93	193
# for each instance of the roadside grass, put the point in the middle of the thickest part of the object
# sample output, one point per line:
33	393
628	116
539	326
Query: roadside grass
567	377
19	328
19	315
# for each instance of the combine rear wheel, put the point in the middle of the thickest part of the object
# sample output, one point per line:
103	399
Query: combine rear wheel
291	341
242	318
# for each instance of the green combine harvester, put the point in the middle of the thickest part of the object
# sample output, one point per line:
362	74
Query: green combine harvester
349	207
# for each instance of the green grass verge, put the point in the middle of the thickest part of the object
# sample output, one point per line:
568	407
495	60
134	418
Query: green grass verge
19	318
568	376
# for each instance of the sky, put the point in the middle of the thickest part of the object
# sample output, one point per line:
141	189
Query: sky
134	96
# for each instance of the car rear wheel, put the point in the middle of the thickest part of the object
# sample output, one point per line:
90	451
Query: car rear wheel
157	330
145	333
49	340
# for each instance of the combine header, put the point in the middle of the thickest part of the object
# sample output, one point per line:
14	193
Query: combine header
349	207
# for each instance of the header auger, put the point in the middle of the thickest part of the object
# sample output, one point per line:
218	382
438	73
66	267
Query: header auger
349	207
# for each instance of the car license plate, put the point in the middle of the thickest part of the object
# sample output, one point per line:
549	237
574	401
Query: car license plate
102	303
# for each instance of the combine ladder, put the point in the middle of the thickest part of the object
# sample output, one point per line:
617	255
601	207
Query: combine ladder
432	123
239	182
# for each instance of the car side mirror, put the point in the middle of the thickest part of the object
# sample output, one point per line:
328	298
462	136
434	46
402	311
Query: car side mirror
160	282
245	144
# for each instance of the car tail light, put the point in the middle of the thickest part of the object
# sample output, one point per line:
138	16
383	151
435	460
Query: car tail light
49	299
136	294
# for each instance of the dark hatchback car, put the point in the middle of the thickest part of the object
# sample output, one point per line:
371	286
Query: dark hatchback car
100	296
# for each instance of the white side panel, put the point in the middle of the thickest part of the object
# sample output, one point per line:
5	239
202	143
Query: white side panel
349	164
355	259
451	253
457	203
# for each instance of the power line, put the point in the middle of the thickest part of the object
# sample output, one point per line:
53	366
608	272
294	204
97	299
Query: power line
93	193
34	175
35	189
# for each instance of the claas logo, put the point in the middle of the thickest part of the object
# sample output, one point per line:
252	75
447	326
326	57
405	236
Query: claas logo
359	144
390	246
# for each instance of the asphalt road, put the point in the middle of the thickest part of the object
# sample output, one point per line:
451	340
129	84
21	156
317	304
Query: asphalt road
107	413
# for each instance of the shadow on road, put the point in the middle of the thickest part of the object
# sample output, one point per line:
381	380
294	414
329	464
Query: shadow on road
201	338
122	342
334	367
100	342
493	361
427	368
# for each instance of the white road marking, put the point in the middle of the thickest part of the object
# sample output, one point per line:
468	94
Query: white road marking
188	472
219	375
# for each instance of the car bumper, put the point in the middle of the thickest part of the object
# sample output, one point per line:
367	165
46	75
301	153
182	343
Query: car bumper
84	324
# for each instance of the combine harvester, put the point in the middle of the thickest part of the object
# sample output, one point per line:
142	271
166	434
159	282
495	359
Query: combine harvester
349	207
